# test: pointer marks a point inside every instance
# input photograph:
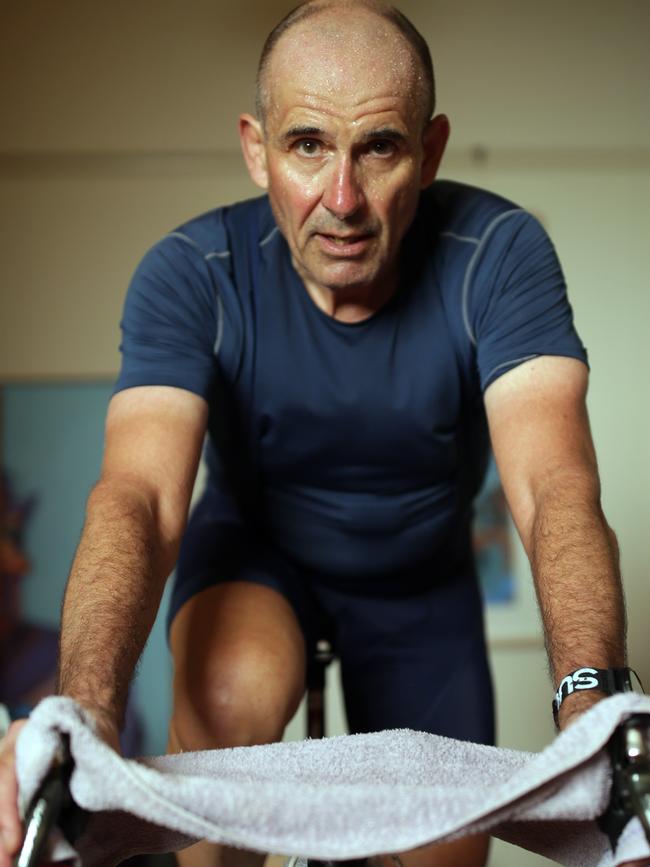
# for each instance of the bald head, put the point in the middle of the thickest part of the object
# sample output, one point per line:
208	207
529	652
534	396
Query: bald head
335	31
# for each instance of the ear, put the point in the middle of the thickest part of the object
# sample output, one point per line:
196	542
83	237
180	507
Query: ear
251	136
434	141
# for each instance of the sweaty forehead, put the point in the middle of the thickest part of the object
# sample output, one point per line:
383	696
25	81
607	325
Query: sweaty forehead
343	57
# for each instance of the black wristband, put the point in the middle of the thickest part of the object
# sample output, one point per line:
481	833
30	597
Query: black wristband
607	680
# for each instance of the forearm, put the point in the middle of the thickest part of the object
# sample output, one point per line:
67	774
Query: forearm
574	558
112	596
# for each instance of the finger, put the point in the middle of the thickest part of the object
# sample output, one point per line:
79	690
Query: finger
10	825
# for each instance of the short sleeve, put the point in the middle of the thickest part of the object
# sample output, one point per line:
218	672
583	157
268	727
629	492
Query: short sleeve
516	305
170	320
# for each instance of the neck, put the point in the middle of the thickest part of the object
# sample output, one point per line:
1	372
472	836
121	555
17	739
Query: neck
352	304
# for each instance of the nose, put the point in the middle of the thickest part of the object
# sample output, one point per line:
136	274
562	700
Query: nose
343	195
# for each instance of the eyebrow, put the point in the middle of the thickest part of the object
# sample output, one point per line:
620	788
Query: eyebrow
301	132
385	132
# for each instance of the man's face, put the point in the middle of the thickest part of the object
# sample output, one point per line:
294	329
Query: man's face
343	146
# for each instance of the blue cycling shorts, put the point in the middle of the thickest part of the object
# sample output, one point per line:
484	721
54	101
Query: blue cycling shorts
412	650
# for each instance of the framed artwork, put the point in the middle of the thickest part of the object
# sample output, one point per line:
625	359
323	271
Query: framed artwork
510	606
492	541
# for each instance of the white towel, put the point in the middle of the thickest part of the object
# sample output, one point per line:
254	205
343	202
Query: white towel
342	797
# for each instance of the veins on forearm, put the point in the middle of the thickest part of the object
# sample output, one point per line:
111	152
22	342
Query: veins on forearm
111	599
574	558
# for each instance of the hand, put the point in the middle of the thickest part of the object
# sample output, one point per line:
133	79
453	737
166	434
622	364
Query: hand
572	708
106	726
576	704
11	830
10	827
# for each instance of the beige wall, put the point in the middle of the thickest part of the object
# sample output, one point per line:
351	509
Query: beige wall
119	122
172	75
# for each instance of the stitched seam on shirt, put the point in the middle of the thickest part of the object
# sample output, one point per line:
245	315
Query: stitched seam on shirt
217	254
467	238
472	264
512	361
266	240
185	238
219	338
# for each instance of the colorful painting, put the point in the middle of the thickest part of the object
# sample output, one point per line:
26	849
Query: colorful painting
492	544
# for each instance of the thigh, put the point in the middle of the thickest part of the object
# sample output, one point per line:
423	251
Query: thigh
417	661
218	547
239	620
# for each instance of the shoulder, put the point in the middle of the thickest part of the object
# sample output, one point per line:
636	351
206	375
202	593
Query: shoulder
473	235
211	236
466	213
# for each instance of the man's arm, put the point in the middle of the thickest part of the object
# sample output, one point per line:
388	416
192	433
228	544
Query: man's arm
134	521
544	451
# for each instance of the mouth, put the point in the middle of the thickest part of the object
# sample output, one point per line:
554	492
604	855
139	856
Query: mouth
344	245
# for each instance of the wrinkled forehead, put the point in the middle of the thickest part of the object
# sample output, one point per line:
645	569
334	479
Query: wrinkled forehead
348	58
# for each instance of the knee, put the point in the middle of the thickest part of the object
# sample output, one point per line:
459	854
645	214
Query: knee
239	699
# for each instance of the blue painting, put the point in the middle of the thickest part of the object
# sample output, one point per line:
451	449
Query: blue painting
52	439
492	546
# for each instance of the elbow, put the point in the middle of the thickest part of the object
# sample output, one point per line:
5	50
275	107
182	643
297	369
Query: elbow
564	498
112	496
114	500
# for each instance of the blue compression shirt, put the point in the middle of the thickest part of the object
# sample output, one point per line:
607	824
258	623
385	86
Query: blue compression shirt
356	448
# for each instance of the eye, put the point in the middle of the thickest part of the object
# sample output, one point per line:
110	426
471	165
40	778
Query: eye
382	148
308	147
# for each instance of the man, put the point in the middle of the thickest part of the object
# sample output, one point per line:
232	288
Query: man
344	341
